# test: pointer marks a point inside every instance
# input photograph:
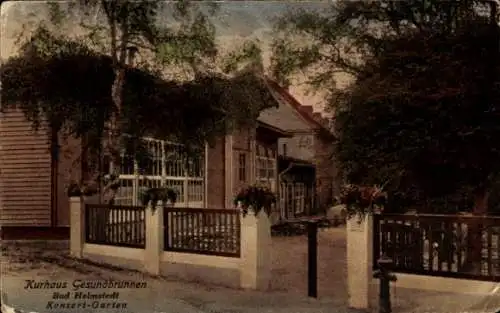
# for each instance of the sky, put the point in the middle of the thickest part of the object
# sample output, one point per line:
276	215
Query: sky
235	22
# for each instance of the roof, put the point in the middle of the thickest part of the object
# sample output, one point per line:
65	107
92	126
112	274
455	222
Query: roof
305	112
281	132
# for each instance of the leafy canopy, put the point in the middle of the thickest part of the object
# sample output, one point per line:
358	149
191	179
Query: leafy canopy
419	114
67	79
72	87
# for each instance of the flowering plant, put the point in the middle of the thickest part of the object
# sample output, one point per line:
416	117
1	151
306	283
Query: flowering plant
256	197
154	195
362	200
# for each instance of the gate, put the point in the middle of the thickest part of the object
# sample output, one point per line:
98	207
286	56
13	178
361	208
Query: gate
308	258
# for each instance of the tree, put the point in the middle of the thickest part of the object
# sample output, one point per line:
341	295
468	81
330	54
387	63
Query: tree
132	25
398	125
70	64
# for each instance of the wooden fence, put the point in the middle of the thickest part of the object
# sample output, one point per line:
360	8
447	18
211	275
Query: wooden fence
202	231
113	225
440	245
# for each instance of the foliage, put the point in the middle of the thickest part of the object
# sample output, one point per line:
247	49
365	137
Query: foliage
329	44
418	116
440	135
76	190
249	54
494	199
256	198
362	200
194	109
154	195
72	89
91	188
90	86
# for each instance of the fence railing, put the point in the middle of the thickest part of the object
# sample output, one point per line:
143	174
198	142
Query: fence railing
440	245
202	231
123	226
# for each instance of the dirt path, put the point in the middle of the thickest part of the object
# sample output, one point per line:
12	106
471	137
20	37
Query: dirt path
289	267
290	274
45	259
50	260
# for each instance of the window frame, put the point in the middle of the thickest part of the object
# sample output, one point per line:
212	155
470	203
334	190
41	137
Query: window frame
242	167
166	173
266	161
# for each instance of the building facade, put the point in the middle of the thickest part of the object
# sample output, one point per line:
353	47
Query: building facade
289	150
34	181
308	174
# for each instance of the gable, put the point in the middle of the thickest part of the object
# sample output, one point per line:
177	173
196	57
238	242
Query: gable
284	116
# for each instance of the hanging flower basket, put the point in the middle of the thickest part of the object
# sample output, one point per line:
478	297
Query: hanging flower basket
362	200
255	199
154	195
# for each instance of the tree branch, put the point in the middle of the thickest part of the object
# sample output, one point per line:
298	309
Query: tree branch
110	11
125	35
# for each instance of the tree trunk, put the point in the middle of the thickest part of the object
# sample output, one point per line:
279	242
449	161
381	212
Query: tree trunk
115	132
113	149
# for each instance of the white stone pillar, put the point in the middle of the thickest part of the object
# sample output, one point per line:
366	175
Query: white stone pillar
154	239
255	266
359	260
77	226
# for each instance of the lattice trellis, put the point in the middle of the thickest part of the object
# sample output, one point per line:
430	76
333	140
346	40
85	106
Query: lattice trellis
168	167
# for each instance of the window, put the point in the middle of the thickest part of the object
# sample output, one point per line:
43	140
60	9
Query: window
284	149
265	166
167	166
242	168
299	198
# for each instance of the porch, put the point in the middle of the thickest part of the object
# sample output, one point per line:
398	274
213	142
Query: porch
296	192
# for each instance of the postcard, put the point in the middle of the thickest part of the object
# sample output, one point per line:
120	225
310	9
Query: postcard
246	156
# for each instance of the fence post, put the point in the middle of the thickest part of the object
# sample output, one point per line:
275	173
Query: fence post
255	245
154	238
386	277
312	262
77	226
359	260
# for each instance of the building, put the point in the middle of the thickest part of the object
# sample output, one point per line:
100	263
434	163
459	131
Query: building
34	181
308	176
288	150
